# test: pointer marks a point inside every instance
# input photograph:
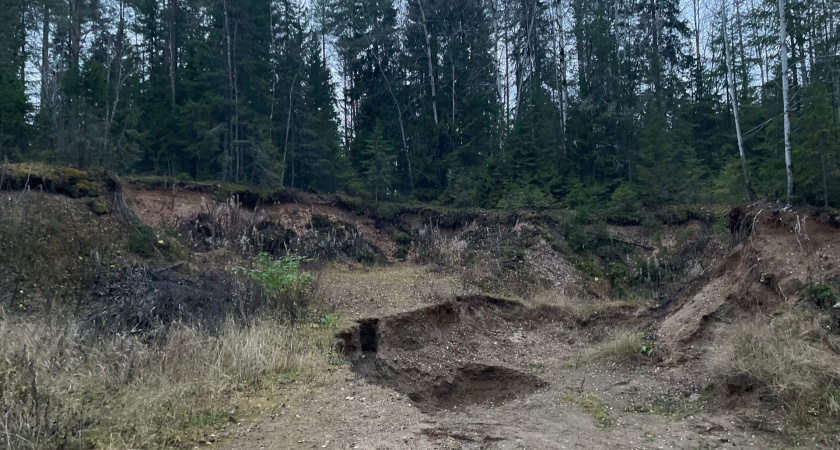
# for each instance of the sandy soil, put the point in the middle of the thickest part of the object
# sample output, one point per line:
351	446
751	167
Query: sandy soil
479	373
781	254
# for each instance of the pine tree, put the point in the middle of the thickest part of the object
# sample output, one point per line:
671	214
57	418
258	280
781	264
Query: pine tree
379	162
818	153
668	167
13	103
322	165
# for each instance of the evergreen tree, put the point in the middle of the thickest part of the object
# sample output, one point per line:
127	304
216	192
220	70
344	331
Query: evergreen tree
322	165
13	102
818	153
470	102
668	167
379	160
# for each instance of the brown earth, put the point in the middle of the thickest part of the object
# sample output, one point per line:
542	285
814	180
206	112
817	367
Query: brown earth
430	364
477	372
778	254
427	361
475	247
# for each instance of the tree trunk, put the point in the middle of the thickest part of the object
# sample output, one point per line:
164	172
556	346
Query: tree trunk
75	32
824	176
560	75
734	96
288	129
742	49
45	54
173	59
111	110
525	61
399	118
783	55
229	146
428	50
454	80
697	31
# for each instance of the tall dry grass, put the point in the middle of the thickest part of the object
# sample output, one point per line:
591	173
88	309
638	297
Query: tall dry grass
59	392
794	359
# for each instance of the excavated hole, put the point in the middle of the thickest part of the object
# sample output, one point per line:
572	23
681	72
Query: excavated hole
476	384
434	355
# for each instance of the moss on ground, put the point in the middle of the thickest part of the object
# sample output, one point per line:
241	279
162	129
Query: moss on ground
68	181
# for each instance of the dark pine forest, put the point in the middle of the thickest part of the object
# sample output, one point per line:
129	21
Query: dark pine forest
492	103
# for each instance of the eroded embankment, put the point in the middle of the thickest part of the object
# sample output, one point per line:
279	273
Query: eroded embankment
779	256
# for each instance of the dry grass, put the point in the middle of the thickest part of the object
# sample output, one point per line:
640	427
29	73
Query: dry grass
59	392
579	309
795	358
385	290
624	348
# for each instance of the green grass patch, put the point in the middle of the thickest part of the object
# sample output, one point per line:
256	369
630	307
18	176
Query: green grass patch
675	408
592	405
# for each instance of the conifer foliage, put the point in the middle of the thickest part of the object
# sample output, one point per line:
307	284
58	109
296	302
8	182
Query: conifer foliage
493	103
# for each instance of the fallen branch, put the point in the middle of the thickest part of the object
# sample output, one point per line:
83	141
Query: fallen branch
168	268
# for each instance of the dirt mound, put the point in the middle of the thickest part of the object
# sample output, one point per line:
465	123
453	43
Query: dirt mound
778	255
446	356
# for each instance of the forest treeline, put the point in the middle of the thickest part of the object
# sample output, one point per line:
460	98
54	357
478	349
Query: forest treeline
494	103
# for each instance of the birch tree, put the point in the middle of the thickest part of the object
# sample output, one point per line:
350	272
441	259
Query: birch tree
734	97
783	56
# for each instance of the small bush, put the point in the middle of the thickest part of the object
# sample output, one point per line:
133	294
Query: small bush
99	206
589	266
823	295
388	211
141	241
403	239
401	253
278	276
365	256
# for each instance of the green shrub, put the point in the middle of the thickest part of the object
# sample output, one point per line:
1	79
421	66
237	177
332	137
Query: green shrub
365	256
823	295
589	266
403	239
388	211
278	276
141	241
401	253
